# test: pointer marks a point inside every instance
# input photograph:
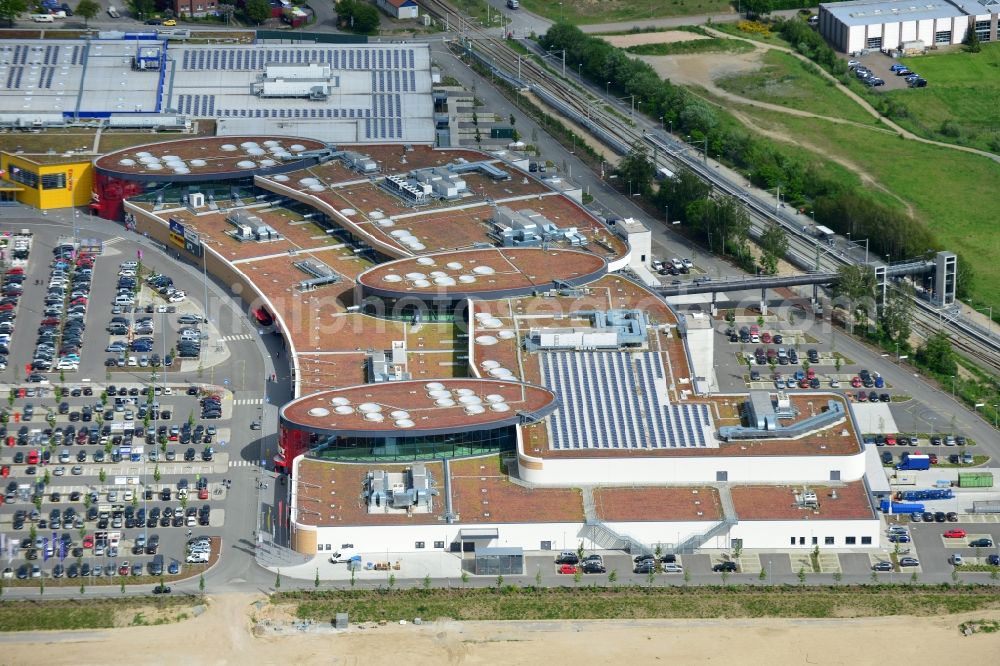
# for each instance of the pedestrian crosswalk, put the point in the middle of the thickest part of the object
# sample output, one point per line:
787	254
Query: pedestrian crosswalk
241	463
235	338
248	401
113	241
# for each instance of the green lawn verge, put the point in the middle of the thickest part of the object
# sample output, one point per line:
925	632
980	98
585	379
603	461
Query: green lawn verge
710	45
41	615
634	602
610	11
945	186
961	103
790	82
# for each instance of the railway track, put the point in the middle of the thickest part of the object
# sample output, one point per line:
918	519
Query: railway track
586	109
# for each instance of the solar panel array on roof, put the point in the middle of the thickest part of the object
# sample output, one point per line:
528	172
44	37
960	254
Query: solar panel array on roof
618	400
243	58
197	105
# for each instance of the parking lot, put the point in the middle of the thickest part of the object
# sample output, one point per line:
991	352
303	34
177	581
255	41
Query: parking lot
111	471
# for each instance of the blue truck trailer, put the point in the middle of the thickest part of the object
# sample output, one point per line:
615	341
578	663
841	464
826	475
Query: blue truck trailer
901	507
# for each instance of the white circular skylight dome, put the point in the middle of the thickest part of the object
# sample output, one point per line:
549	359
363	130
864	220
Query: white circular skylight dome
392	277
228	147
340	400
444	402
126	162
344	409
500	407
403	423
483	270
246	164
198	163
281	178
369	407
374	416
425	261
319	411
421	284
486	340
399	414
434	386
474	409
454	265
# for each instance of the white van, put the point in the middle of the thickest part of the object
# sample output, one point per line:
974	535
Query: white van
113	13
124	299
43	18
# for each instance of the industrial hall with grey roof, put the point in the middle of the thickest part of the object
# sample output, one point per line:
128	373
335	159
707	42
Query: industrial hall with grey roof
341	93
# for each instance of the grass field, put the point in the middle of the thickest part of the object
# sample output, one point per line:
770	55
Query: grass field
611	11
790	82
946	187
76	614
711	45
961	102
628	602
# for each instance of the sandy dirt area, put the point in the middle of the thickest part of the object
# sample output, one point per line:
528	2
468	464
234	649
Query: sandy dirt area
665	37
223	635
703	68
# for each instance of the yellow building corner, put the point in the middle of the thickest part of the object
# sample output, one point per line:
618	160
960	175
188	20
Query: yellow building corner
48	180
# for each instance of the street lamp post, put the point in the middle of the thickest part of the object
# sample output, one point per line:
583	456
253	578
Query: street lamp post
996	412
953	386
661	123
607	90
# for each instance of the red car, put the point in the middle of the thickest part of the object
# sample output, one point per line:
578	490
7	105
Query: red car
124	569
203	494
804	384
856	382
765	337
568	569
16	271
862	396
88	541
890	440
933	458
810	374
5	471
955	534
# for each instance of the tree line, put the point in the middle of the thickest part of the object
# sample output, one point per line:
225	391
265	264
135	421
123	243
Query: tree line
841	207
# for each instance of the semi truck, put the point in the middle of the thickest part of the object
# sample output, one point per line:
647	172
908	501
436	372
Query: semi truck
901	507
930	494
915	461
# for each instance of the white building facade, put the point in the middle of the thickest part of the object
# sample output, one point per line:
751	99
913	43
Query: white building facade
890	25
